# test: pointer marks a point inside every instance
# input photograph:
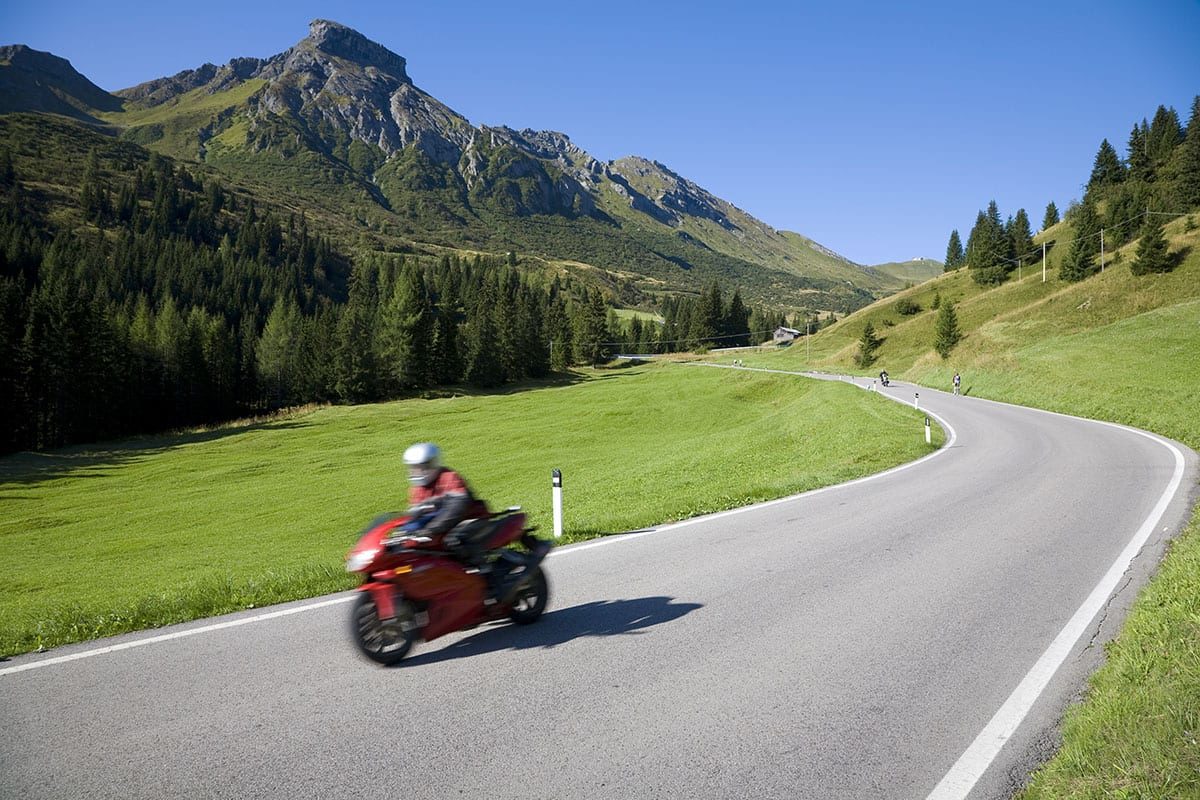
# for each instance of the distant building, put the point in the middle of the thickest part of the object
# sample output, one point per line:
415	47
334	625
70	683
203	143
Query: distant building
785	335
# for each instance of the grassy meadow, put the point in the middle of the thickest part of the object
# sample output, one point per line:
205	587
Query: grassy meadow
139	533
1116	347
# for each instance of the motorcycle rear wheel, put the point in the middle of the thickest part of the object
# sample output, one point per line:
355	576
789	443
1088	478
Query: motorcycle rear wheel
383	641
530	601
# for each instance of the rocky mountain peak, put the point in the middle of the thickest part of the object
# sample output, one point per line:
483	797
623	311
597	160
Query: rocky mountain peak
346	43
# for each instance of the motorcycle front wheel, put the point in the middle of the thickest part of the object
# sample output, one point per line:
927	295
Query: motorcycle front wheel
532	596
385	641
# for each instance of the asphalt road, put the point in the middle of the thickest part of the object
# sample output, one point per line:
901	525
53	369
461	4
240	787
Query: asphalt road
861	641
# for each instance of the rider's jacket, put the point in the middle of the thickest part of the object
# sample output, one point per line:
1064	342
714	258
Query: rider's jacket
455	502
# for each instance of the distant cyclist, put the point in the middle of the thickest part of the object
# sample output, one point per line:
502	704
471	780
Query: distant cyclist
957	382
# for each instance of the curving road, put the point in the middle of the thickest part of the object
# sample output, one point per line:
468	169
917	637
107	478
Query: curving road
912	635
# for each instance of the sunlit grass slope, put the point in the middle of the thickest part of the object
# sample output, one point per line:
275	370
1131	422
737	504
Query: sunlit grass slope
152	531
1115	347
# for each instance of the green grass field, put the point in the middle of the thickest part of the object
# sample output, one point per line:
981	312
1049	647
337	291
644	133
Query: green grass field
1115	347
102	540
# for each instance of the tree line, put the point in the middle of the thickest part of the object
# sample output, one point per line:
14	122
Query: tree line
1160	173
180	303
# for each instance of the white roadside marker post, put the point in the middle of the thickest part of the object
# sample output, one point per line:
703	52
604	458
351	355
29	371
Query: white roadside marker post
928	436
916	399
556	479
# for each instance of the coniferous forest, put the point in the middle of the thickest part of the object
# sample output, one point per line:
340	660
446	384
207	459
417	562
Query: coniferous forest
159	300
1123	199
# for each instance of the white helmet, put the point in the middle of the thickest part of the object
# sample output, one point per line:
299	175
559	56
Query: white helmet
423	461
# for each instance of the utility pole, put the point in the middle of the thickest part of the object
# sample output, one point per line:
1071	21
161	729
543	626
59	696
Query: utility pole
1043	262
807	346
1102	249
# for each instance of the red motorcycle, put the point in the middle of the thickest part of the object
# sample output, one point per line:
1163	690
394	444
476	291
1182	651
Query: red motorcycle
414	588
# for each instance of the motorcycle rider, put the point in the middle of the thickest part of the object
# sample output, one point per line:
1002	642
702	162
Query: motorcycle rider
438	485
432	483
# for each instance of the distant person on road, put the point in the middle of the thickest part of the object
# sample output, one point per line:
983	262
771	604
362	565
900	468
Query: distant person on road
957	382
883	377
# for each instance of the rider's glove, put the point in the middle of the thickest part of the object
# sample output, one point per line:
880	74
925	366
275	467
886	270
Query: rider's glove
452	541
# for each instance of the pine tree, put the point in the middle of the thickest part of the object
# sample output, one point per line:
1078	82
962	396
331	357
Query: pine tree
955	257
483	366
558	331
1137	154
591	329
1152	250
357	379
636	337
1185	166
946	333
1051	217
1107	169
706	321
868	343
405	334
987	247
278	354
1163	136
1080	261
1020	236
737	322
446	358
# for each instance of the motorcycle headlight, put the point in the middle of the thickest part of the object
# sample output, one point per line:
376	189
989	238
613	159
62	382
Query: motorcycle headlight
361	559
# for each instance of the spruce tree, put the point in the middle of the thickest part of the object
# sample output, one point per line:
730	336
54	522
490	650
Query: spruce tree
278	354
737	322
1137	154
1080	261
482	363
954	253
1163	136
946	333
591	329
1107	168
446	359
1151	250
868	343
558	332
1020	236
1186	163
988	247
706	322
1051	217
357	370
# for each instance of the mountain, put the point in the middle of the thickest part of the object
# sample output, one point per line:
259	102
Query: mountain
336	128
916	270
31	80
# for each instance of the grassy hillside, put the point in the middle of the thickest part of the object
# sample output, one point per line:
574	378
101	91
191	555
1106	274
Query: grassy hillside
1116	347
174	528
917	270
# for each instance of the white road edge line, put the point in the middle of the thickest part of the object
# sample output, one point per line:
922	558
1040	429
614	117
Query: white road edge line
979	755
166	637
971	765
615	539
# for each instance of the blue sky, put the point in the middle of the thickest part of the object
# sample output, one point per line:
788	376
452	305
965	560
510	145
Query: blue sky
874	128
